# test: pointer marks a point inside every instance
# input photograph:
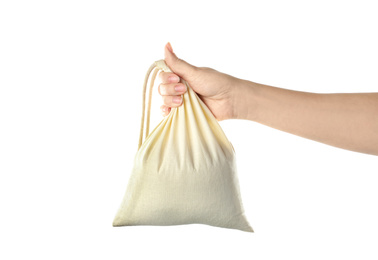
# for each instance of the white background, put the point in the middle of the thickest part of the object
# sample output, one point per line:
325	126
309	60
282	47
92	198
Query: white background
71	74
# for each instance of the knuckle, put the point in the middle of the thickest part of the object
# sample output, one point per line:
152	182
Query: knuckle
161	75
177	61
167	101
164	76
170	89
162	90
180	61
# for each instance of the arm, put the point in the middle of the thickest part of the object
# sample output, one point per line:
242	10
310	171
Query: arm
348	121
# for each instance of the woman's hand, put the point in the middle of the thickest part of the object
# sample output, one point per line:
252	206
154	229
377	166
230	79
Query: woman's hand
345	120
217	90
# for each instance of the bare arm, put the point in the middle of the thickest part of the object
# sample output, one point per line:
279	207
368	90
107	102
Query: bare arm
348	121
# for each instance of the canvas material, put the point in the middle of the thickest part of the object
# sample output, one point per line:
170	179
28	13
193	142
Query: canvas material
184	171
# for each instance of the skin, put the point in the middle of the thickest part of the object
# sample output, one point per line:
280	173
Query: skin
344	120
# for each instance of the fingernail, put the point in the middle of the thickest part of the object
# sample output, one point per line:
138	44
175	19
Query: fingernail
176	100
173	79
180	88
169	46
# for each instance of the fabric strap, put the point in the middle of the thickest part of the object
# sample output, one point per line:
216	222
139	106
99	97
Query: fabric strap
155	67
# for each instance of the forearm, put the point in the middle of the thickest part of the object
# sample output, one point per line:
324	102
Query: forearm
348	121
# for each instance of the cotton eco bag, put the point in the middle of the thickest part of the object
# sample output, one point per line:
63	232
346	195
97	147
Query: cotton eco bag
184	171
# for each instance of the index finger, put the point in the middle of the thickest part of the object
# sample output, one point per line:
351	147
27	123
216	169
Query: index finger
168	77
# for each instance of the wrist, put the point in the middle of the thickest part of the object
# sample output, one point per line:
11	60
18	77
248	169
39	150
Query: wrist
245	105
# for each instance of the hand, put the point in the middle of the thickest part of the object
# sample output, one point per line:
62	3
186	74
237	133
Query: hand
345	120
215	89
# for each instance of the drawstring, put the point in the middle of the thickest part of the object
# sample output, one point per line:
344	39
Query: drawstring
158	65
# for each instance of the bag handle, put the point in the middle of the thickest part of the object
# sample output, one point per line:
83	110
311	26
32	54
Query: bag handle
155	67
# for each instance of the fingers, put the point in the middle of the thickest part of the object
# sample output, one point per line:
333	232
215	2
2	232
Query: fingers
168	77
172	89
172	101
165	110
179	66
171	93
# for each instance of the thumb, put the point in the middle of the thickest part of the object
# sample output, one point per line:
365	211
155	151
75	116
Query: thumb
178	66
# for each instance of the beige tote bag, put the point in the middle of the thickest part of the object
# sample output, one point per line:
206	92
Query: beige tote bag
184	171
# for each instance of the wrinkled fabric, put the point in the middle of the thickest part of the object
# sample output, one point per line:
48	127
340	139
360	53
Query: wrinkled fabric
184	172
